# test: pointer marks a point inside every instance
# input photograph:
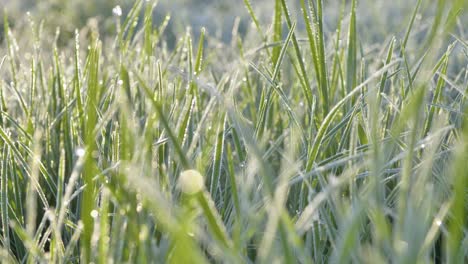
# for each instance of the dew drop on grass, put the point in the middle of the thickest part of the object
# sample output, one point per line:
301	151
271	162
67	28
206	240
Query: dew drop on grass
80	152
117	11
94	213
139	207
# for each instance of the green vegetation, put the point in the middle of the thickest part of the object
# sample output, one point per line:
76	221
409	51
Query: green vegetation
318	139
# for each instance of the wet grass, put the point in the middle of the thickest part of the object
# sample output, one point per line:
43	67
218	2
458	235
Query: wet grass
315	143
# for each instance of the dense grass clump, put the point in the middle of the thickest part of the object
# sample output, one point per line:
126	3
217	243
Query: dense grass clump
318	136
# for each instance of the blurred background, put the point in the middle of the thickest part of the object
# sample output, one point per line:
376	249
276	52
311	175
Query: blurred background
377	20
217	16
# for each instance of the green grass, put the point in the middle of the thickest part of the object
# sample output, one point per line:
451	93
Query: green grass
318	140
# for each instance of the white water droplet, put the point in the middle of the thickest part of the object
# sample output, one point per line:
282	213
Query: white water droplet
117	11
94	213
80	152
139	207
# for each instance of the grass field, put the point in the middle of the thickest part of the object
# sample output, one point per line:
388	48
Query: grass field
304	131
